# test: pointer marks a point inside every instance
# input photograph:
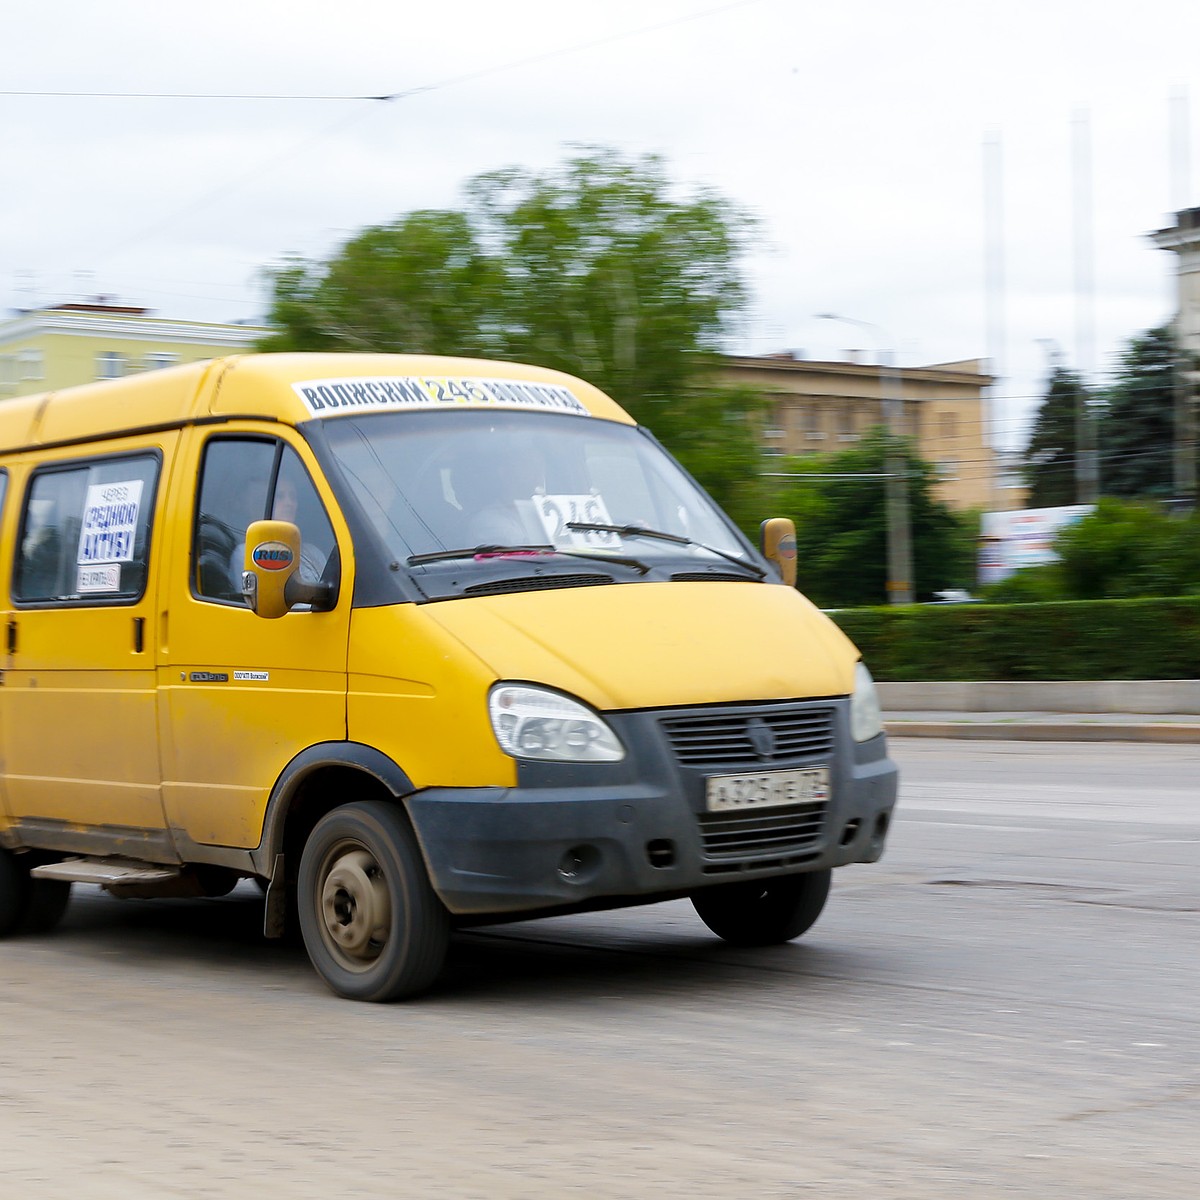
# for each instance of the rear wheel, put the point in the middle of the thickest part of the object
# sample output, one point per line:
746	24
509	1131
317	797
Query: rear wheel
29	905
372	923
763	912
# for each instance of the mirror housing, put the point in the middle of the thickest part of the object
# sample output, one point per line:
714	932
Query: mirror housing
777	540
271	559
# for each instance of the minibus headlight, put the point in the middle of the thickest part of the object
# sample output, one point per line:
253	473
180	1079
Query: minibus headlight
532	722
866	719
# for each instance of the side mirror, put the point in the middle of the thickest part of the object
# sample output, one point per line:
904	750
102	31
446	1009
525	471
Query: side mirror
272	556
777	540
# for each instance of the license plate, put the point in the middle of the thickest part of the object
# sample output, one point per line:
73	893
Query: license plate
767	789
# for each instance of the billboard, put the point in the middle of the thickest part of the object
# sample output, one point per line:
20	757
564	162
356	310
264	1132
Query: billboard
1023	538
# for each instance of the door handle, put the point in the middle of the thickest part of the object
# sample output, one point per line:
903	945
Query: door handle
12	636
139	634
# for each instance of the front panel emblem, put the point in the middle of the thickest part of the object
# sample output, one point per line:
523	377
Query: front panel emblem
762	737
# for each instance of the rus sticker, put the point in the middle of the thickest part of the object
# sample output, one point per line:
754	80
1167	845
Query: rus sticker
272	556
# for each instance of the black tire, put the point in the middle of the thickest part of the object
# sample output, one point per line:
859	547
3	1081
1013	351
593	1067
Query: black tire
48	900
763	912
372	924
14	892
29	905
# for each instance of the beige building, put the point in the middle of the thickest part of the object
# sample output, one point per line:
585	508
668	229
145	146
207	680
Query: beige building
69	344
823	407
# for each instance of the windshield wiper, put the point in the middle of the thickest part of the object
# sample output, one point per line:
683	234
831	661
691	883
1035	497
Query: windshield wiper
490	551
415	560
662	536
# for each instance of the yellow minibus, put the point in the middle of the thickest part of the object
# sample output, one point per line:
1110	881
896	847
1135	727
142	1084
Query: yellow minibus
416	643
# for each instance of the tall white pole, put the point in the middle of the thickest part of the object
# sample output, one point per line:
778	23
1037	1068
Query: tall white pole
992	417
1179	150
1185	405
1087	482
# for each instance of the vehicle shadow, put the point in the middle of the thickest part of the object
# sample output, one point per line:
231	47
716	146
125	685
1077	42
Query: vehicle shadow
569	959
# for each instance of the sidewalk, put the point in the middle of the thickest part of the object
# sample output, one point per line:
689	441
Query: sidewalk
1046	726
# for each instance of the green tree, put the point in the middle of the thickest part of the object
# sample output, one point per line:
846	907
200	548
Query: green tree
612	275
1124	550
839	506
1137	429
421	283
1051	455
602	268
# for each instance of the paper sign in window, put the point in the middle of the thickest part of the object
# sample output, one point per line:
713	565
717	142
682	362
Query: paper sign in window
110	520
558	512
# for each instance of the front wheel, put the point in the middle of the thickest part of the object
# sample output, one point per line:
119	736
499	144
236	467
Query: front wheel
763	912
372	923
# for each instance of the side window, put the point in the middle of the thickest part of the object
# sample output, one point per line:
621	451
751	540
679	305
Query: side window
244	480
85	532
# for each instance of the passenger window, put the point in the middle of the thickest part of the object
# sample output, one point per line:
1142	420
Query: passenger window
85	532
244	480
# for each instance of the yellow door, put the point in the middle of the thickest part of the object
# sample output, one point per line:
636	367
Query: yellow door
241	696
79	713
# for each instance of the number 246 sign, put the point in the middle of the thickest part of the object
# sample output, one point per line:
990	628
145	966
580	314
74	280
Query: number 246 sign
557	512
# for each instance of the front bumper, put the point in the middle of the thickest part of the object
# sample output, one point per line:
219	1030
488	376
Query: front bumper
632	832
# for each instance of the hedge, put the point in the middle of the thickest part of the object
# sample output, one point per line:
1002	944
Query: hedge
1081	639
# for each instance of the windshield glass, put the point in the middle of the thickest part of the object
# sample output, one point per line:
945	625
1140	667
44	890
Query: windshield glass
443	482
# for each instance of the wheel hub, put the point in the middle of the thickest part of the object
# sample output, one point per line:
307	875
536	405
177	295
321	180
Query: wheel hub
355	905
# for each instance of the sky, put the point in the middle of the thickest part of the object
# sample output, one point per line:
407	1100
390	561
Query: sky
959	179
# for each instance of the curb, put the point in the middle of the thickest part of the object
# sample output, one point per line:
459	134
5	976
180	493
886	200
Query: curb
1046	731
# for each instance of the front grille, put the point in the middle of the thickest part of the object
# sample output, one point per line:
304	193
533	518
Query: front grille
779	837
723	739
534	583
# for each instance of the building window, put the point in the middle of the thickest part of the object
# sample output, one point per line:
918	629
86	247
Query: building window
30	364
845	424
110	365
158	359
947	426
773	440
8	372
811	417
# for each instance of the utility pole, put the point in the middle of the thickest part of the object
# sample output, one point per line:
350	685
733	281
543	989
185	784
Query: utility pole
899	539
899	584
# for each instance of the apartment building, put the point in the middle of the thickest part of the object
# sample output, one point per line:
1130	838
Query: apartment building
823	407
67	344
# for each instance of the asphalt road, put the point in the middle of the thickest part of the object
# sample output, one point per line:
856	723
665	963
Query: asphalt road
1007	1005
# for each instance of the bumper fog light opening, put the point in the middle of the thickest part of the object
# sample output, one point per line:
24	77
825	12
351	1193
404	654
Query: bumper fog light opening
660	852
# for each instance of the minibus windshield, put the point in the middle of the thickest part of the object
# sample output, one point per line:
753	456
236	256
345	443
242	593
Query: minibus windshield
510	484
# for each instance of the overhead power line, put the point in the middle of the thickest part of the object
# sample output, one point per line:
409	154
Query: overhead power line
177	96
404	94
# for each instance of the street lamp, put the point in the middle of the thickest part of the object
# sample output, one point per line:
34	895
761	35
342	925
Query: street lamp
899	543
